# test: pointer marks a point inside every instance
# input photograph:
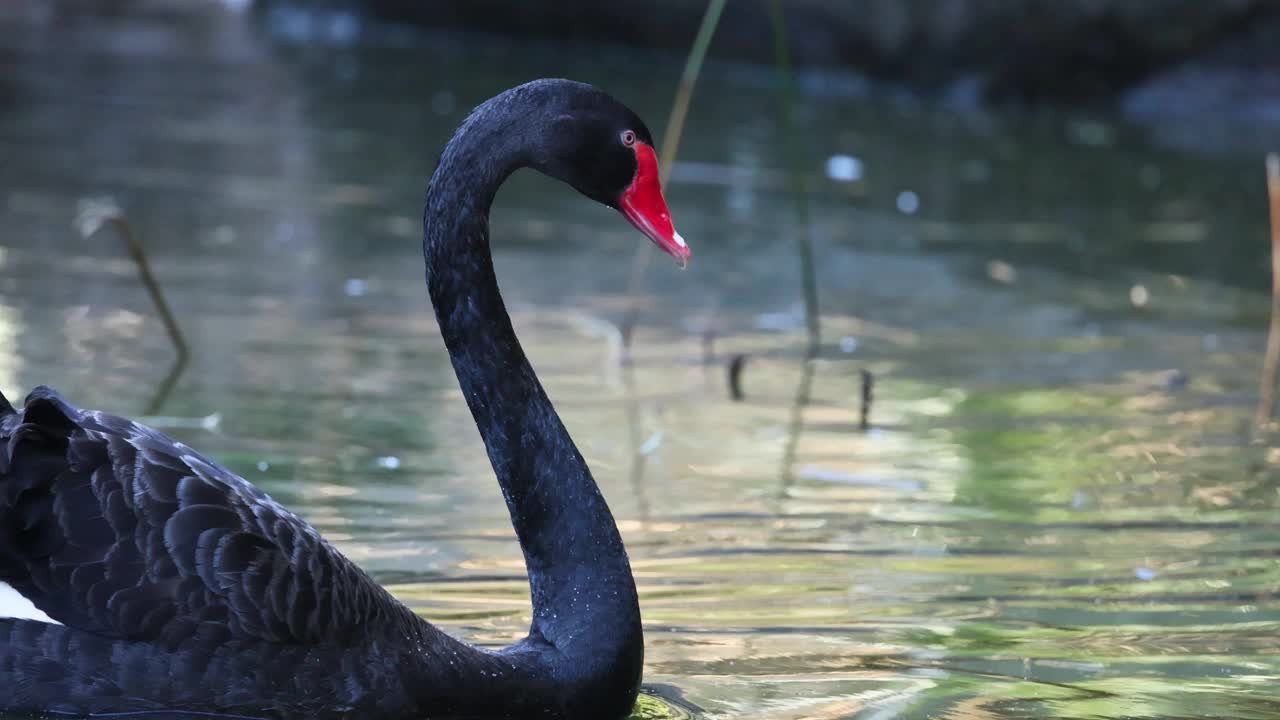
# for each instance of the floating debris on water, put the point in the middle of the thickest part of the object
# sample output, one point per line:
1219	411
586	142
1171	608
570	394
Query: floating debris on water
210	422
356	287
844	168
1002	272
815	472
908	202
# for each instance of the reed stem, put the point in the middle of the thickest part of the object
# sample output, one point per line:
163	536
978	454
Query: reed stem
1271	362
667	155
799	191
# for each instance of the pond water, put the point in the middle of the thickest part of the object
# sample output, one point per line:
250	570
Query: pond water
1056	512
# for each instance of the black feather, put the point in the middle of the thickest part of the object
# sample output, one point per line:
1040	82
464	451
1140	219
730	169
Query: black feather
126	536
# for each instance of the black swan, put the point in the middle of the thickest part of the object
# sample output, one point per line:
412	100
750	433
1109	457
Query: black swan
156	581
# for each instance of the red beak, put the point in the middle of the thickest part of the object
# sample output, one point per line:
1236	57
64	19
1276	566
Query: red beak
643	205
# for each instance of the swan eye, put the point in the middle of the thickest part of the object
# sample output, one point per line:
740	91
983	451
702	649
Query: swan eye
628	138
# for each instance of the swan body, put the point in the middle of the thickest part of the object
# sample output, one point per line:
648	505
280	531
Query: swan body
137	575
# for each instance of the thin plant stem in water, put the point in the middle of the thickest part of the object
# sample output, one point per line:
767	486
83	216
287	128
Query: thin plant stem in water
93	215
736	364
1271	362
684	94
799	191
868	390
670	146
804	243
795	426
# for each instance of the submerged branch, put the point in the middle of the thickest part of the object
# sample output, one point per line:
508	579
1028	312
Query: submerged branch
92	217
736	363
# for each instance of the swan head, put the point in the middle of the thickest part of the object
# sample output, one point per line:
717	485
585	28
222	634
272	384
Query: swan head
601	148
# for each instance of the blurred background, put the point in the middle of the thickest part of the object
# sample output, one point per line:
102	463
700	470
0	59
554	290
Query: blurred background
1040	269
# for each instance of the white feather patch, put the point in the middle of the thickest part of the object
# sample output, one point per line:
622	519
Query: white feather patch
14	605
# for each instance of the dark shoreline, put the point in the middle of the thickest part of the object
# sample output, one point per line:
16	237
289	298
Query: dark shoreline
1032	51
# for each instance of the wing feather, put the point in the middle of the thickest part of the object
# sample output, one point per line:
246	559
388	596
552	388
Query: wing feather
111	527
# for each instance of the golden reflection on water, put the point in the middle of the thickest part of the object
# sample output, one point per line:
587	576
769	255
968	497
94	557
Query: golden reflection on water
875	564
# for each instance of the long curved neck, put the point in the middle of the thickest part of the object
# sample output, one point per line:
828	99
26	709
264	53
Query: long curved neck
584	598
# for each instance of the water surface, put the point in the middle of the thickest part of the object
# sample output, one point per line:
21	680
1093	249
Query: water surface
1057	511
